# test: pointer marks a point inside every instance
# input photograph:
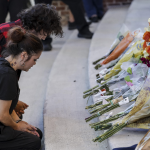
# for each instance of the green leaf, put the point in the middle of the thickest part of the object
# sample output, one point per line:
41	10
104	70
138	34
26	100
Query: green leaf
140	61
133	55
129	70
127	78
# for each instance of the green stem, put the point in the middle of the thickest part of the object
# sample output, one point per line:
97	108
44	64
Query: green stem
103	126
94	105
95	62
105	82
96	91
98	109
99	80
112	132
115	117
91	89
109	108
108	99
111	66
106	133
102	112
97	66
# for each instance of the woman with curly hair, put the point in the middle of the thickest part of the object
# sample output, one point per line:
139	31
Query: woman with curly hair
80	22
41	20
23	50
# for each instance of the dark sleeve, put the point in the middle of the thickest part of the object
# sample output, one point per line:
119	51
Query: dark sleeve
2	42
8	86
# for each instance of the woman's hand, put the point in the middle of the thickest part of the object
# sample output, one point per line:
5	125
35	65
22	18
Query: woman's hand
25	127
20	107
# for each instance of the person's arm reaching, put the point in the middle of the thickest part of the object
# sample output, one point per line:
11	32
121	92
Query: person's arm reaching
21	106
15	116
9	120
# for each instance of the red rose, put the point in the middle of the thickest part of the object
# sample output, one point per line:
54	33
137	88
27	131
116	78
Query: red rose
146	36
144	45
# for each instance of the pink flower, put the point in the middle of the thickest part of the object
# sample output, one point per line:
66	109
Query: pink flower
129	83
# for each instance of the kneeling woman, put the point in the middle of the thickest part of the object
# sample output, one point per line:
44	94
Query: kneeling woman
22	51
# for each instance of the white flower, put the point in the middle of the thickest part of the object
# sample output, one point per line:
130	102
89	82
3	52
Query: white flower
145	54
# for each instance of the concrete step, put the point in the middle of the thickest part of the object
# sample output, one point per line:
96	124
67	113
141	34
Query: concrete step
64	114
33	83
137	17
103	38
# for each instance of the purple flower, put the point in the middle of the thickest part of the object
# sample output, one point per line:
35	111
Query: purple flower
145	61
129	83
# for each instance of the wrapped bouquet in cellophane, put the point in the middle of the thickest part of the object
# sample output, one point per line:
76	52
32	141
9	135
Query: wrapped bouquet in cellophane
140	111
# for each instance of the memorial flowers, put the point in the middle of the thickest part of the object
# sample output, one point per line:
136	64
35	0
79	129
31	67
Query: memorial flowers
128	61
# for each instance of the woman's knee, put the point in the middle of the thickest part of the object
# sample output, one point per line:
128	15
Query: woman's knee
37	143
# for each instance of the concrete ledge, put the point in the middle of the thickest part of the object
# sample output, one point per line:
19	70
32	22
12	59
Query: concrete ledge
136	17
103	38
64	113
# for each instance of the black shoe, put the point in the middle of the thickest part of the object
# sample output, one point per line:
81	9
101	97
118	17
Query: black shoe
47	44
89	23
85	33
72	25
100	17
94	19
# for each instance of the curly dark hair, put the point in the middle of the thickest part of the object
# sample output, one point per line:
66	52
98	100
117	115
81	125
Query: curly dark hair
41	17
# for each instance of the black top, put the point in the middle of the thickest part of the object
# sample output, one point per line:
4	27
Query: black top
9	89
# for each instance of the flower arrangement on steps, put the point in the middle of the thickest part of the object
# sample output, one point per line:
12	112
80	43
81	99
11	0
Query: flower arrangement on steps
127	61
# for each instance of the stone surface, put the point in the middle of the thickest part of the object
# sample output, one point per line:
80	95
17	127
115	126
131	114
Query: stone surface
103	38
64	113
136	17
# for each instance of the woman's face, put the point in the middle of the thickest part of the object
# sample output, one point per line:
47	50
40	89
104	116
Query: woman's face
41	35
32	61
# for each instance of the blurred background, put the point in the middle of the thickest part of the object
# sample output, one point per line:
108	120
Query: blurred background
64	10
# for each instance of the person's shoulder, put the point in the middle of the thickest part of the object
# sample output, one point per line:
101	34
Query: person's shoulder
5	68
4	27
6	71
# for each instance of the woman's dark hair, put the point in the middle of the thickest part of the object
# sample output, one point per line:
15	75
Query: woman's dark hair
42	17
19	41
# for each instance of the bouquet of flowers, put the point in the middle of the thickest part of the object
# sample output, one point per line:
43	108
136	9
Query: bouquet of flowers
99	124
135	50
140	111
122	33
110	106
138	75
122	48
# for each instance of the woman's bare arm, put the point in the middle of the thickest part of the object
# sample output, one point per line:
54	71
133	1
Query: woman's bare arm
14	116
5	117
9	120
